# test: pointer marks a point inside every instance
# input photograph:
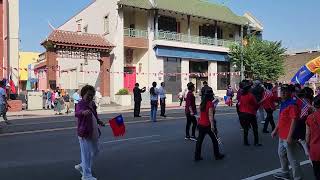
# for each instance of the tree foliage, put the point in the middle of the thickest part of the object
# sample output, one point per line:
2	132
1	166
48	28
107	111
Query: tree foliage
263	60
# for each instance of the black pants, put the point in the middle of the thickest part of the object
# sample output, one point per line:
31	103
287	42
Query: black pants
203	131
163	106
137	105
269	119
191	119
247	121
316	169
75	107
181	100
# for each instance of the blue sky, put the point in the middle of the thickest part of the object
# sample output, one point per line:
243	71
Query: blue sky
294	22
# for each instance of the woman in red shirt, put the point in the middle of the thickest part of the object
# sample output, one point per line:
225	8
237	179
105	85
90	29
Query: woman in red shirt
248	109
313	137
206	126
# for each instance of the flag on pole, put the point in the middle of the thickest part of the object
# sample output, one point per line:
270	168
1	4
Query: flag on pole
117	126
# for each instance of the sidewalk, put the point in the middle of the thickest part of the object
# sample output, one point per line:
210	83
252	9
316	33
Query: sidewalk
104	109
112	108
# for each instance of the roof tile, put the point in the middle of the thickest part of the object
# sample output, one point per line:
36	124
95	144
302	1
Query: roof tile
79	39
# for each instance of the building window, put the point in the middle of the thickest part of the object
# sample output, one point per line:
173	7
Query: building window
106	24
223	76
85	29
79	25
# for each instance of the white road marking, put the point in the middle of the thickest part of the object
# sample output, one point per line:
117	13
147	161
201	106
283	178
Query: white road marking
69	128
129	139
269	173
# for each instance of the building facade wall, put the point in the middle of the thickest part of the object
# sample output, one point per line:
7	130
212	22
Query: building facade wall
13	23
74	73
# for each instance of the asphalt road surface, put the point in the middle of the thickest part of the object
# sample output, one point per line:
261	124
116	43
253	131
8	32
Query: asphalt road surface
48	149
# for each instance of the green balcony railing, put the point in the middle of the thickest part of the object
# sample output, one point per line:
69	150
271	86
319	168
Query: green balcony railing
136	33
179	37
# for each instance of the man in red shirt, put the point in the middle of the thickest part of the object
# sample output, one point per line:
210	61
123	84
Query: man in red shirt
313	137
191	112
288	148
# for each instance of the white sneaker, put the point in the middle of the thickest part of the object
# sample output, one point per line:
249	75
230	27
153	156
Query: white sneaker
91	178
79	168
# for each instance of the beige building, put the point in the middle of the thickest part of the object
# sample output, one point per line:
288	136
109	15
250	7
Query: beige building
171	41
9	47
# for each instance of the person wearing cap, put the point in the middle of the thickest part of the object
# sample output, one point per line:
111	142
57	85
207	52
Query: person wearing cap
288	148
248	109
206	125
191	112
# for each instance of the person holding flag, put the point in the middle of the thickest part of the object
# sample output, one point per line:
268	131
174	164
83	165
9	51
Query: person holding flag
248	108
206	125
304	101
288	148
268	103
88	131
313	137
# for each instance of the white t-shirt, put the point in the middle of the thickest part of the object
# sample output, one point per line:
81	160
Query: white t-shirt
2	95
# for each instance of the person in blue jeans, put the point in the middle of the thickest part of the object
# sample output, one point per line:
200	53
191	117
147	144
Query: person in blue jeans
154	101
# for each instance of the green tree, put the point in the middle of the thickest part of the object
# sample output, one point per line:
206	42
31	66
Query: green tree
263	60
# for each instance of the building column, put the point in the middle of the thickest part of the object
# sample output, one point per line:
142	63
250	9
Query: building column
117	58
185	73
105	65
51	60
213	79
216	32
156	23
189	28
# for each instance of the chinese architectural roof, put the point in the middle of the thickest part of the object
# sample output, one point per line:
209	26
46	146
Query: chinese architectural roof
76	39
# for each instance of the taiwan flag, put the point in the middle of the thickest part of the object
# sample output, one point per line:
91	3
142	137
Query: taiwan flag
117	126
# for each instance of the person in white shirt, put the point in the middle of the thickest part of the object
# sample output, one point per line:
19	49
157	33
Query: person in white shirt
162	95
98	98
154	92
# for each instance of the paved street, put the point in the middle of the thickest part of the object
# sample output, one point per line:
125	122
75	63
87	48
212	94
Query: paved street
47	149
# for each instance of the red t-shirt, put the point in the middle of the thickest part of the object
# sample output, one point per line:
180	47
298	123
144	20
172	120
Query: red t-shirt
285	119
313	122
204	116
248	104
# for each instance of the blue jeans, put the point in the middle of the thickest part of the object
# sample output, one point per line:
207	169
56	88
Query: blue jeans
154	107
89	149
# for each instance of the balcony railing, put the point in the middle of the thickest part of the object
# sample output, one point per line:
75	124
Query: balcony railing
173	36
136	33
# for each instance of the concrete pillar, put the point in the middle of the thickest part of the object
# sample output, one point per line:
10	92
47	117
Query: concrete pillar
156	23
51	60
13	39
216	32
105	65
117	58
185	77
213	79
189	28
